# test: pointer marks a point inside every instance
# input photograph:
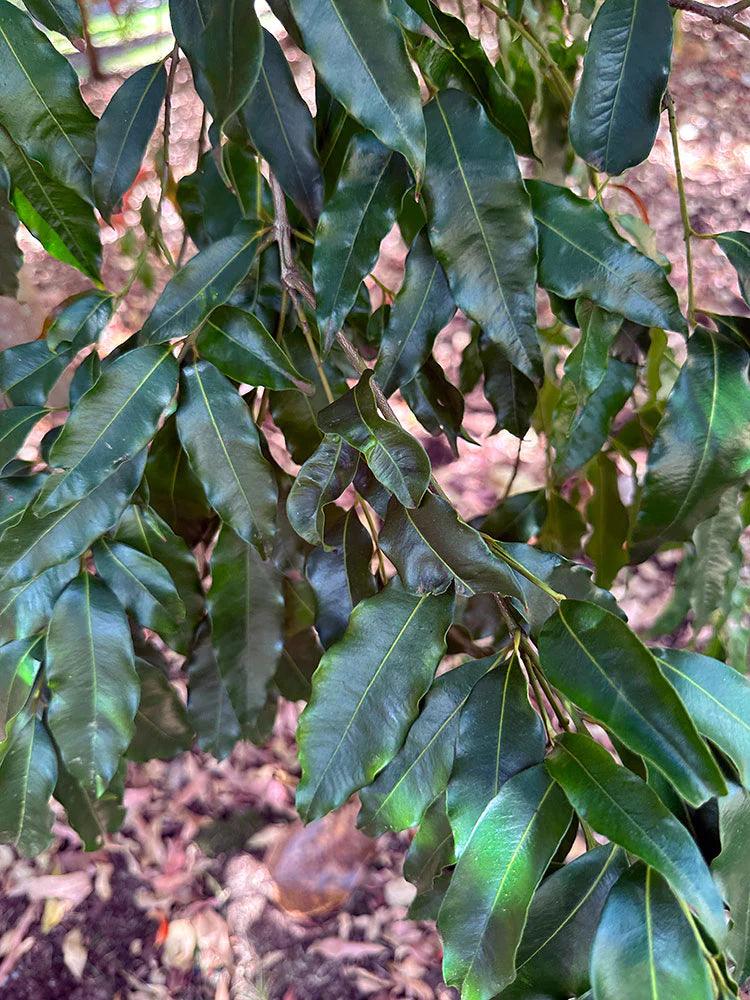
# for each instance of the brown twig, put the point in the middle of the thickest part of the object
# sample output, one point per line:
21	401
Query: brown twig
725	16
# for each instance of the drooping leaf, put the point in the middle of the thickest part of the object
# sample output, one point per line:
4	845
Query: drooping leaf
123	134
320	481
209	708
437	404
594	659
204	283
162	729
246	607
63	16
175	492
111	423
499	734
11	257
716	542
432	848
485	909
702	444
209	209
188	19
41	105
282	130
231	54
622	807
28	773
609	521
90	671
365	694
15	426
26	609
617	107
736	246
644	944
375	83
222	443
582	255
563	527
517	518
78	320
421	310
92	819
730	871
356	217
19	665
483	233
586	365
418	774
395	458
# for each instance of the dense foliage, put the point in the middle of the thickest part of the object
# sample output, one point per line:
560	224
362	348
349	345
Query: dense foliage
156	515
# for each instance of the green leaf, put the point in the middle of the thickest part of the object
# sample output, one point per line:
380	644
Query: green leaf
15	426
499	734
28	773
437	404
162	728
518	518
320	481
209	708
246	607
243	350
63	16
93	684
645	946
334	129
483	234
209	209
617	108
354	222
512	396
702	444
431	850
716	543
25	610
111	423
586	365
92	819
16	493
485	909
736	246
142	585
41	105
597	662
11	257
56	215
622	807
717	698
231	54
609	521
123	134
418	774
582	255
188	19
421	310
79	320
375	83
553	957
222	443
19	666
204	283
35	544
431	547
396	459
174	490
281	128
365	694
563	527
730	871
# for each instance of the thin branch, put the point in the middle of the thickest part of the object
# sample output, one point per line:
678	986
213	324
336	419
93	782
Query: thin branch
719	15
684	212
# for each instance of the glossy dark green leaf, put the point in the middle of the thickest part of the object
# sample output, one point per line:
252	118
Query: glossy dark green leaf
90	671
63	16
718	699
19	666
736	246
594	659
702	444
246	606
617	107
209	708
396	459
92	819
231	54
334	129
511	394
188	20
79	320
622	807
28	773
591	424
365	694
586	365
41	105
320	481
281	128
242	349
111	423
204	283
431	850
418	774
375	83
16	493
356	217
11	257
485	909
499	735
341	576
57	215
437	404
209	209
609	521
15	426
35	544
518	518
644	944
123	134
730	871
421	309
162	729
553	957
582	255
483	233
84	376
26	609
299	661
174	490
431	547
222	443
